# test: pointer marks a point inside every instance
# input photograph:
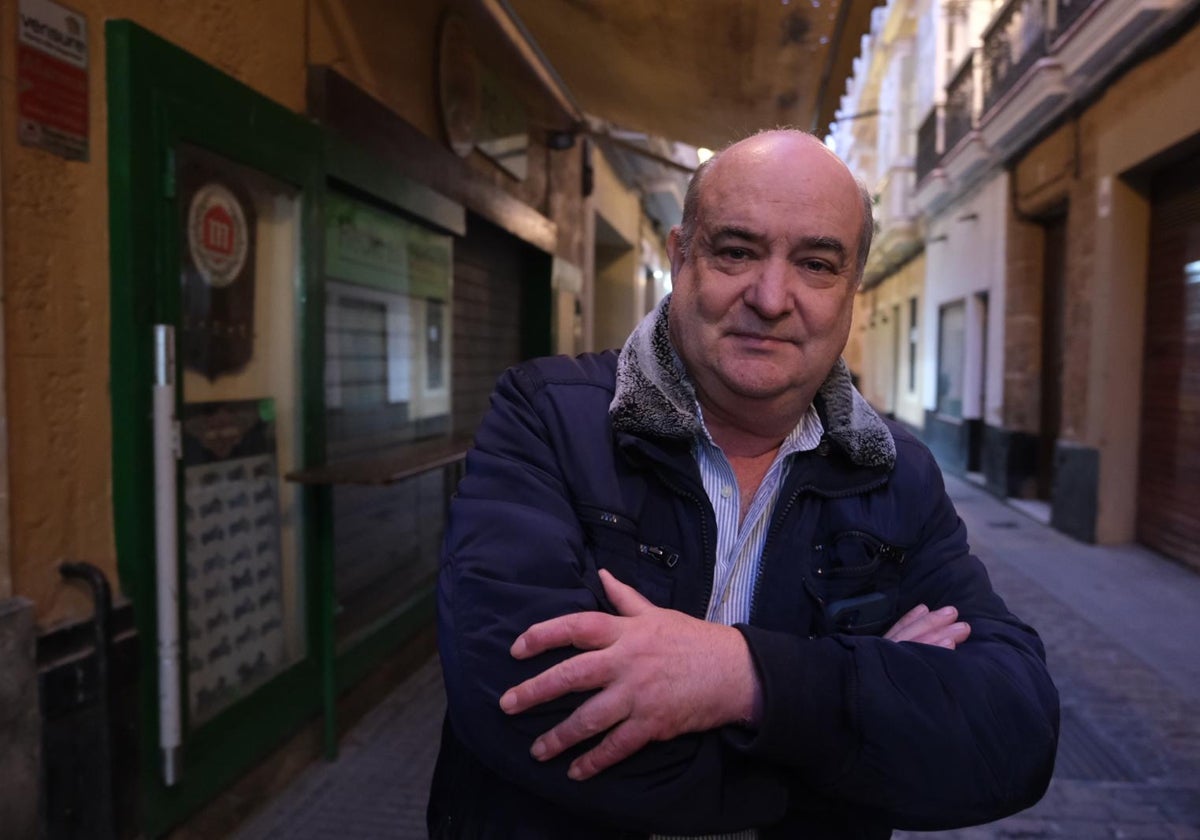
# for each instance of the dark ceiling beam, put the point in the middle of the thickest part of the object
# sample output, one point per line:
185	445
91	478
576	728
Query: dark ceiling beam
853	20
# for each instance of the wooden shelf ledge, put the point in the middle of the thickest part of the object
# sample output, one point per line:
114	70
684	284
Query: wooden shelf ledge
386	468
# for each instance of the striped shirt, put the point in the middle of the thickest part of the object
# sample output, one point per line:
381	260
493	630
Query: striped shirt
740	542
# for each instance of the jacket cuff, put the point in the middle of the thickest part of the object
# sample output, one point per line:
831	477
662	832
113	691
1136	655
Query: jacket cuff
810	702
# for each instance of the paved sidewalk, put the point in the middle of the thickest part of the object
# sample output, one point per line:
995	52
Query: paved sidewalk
1122	633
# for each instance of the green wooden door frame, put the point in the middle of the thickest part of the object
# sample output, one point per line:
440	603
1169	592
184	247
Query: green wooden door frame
160	96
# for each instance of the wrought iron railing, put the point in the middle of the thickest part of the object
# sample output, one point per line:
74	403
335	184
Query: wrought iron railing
1069	11
930	142
1012	43
962	101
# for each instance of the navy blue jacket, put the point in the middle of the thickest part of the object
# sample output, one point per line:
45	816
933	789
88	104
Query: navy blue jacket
859	734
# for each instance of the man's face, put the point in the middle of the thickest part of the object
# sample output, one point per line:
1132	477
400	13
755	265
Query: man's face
761	306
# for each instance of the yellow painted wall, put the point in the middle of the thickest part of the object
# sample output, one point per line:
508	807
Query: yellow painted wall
1055	174
55	234
616	265
1086	164
56	286
390	50
1145	114
878	348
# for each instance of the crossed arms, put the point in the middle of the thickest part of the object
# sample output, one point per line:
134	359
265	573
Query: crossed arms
570	684
658	674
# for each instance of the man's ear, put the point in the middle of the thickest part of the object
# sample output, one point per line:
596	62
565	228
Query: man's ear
675	250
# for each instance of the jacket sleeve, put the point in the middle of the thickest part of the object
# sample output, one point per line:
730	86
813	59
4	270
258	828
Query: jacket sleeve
925	737
514	555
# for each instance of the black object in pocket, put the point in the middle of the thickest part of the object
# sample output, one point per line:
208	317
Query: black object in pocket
857	579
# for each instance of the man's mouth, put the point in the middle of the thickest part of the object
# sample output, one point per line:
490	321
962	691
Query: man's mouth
760	337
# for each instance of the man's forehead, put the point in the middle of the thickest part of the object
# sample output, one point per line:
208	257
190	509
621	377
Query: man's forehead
776	212
769	188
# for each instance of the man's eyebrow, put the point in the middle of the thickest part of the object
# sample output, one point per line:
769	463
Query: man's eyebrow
824	243
809	243
734	232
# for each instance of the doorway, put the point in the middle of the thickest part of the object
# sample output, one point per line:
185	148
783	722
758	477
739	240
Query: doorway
1054	279
212	191
1169	457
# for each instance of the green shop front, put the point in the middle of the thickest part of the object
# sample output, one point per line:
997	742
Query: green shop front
288	422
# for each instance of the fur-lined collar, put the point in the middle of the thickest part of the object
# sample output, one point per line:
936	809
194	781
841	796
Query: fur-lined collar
654	397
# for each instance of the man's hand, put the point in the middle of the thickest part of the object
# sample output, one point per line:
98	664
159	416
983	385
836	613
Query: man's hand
660	673
939	628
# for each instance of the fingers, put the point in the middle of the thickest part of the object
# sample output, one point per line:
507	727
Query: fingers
626	599
595	716
579	673
950	636
896	631
939	628
620	743
586	631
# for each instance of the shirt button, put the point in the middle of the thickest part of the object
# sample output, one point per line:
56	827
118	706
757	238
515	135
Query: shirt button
726	491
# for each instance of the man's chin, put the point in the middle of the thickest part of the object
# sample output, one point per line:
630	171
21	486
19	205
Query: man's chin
760	389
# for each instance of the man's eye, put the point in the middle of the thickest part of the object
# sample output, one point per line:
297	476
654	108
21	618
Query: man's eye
816	265
736	254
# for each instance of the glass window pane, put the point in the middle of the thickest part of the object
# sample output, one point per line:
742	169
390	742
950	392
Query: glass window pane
243	559
951	348
387	381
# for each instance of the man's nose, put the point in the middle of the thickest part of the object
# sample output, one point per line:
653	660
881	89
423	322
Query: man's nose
768	294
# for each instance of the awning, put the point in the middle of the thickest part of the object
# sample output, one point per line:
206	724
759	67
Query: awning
701	72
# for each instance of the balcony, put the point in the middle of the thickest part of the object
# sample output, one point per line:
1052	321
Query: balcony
1069	11
930	142
1016	39
894	209
1035	58
898	236
963	101
1039	54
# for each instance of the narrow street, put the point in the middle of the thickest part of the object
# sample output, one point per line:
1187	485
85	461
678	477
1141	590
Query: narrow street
1121	630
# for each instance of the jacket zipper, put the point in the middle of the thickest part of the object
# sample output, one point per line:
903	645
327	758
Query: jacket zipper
762	558
659	554
777	523
710	559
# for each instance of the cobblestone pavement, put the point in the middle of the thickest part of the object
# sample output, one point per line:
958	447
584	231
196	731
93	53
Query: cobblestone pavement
1122	633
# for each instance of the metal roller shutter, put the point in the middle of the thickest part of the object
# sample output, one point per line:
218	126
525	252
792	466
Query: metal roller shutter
1169	474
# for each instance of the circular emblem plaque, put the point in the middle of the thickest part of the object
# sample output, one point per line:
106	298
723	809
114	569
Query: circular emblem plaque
217	237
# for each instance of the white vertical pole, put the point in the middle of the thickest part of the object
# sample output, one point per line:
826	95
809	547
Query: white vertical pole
166	542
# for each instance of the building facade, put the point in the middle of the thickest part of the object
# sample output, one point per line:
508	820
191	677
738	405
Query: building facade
875	135
1056	188
262	264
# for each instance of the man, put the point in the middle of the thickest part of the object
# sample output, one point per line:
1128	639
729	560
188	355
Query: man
702	589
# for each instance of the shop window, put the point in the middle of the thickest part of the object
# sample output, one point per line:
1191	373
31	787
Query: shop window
951	347
387	290
243	610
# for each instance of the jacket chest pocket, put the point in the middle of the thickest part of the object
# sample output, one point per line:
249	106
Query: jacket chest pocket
856	579
615	546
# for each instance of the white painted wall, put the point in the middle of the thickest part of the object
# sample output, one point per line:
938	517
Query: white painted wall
964	257
930	78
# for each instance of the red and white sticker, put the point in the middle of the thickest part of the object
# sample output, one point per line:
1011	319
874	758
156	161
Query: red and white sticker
217	235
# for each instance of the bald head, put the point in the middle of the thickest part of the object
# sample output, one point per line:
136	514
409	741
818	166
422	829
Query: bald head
807	150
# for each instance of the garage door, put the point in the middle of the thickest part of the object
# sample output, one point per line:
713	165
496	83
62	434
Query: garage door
1169	480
